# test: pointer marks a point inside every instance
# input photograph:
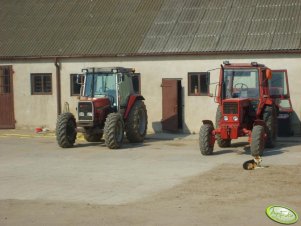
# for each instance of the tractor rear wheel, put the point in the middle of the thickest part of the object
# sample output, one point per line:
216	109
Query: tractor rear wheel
258	140
223	143
113	131
136	125
205	139
66	130
269	116
92	137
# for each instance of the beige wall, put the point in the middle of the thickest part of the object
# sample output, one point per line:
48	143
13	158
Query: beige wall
34	111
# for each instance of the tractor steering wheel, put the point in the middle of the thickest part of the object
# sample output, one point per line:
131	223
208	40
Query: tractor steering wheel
240	87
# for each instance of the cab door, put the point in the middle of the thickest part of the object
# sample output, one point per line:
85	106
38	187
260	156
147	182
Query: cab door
279	90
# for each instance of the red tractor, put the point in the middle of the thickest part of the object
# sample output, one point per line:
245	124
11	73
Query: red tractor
245	108
108	105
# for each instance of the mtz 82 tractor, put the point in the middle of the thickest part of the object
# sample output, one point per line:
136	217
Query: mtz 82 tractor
108	105
245	108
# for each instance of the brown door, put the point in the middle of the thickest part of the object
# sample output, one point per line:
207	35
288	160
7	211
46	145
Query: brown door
170	115
7	118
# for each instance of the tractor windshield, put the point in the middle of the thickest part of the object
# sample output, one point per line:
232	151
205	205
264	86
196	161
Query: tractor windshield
100	85
240	83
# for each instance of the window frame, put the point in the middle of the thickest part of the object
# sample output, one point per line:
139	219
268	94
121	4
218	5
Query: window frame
137	76
5	80
32	82
199	86
72	76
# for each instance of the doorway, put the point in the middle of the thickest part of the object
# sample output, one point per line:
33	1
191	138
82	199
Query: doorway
172	105
7	116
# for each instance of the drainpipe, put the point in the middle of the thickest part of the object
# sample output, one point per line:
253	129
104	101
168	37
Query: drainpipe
58	86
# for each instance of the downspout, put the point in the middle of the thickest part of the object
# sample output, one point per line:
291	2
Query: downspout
58	86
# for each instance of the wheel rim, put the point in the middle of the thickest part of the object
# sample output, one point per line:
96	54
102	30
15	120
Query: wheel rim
141	122
118	131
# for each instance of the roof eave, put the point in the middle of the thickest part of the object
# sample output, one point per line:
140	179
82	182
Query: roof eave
152	54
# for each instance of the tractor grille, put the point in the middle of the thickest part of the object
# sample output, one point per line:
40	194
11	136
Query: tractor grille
85	111
230	108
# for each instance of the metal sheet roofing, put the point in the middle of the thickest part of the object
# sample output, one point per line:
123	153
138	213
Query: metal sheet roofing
43	28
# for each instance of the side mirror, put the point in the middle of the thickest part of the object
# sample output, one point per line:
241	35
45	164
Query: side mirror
268	74
212	90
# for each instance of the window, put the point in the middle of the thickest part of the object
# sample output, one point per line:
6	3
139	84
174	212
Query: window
74	86
4	80
240	83
136	79
198	83
41	84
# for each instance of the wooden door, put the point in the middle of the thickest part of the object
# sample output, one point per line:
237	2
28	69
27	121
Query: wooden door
7	116
170	105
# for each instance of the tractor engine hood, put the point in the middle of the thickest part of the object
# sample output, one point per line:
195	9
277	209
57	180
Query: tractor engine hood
232	109
88	110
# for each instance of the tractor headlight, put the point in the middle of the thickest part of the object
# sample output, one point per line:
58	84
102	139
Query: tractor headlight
226	118
235	118
89	114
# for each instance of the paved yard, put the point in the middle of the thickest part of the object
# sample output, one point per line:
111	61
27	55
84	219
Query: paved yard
36	176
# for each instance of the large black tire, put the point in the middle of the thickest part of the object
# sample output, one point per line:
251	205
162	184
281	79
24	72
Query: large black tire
136	124
92	137
223	143
114	131
66	130
258	140
270	118
206	147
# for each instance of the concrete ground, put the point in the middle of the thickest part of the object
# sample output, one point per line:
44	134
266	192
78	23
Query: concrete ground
35	172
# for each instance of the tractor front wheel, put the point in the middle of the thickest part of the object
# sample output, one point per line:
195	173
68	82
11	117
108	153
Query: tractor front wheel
270	118
136	125
258	140
114	130
66	130
205	139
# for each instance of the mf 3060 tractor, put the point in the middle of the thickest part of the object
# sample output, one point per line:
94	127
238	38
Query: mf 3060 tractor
245	108
108	105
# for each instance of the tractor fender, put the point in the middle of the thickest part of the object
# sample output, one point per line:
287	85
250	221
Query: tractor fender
208	122
131	102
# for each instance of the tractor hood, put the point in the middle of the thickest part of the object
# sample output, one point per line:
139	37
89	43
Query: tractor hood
89	109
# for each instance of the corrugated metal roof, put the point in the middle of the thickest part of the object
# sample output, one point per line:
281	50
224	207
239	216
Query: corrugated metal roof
43	28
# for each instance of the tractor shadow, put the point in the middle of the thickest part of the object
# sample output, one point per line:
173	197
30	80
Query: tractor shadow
243	148
125	146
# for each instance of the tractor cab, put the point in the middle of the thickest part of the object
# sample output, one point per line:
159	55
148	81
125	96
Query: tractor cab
114	84
240	83
104	90
244	81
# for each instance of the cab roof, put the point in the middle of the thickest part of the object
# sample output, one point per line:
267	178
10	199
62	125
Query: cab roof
227	64
109	69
